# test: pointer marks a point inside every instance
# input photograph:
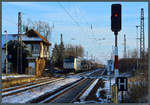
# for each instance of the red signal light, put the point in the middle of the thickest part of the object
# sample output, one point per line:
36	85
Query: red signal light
116	15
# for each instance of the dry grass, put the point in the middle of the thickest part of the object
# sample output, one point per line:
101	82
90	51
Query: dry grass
138	88
16	81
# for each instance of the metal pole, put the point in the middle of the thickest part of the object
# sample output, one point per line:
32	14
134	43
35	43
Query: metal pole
110	83
87	55
116	56
6	54
76	52
115	40
137	46
125	55
122	96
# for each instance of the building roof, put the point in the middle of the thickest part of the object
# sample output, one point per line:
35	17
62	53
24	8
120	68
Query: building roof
37	37
35	34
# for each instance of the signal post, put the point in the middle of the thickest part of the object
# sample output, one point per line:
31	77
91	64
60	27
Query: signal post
115	27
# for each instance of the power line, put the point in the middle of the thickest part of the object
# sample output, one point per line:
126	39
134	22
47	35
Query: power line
69	14
74	20
90	25
85	19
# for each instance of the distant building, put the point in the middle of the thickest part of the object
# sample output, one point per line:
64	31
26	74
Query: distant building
110	66
39	47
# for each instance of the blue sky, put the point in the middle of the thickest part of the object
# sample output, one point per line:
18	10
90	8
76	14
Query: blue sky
79	28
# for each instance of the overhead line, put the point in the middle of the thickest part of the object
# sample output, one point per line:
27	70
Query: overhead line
69	14
85	19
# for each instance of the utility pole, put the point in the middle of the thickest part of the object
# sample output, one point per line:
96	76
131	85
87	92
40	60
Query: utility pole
142	38
61	38
19	48
129	53
87	55
125	53
6	54
137	38
91	56
75	55
112	53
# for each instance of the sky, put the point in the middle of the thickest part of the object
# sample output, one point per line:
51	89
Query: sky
74	21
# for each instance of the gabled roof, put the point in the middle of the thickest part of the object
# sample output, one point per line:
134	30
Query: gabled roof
38	34
36	37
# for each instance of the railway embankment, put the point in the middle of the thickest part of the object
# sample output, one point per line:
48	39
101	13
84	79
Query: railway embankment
12	80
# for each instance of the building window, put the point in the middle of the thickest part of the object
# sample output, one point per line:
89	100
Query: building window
36	48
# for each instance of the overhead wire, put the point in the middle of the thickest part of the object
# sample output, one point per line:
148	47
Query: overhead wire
73	19
69	14
90	25
85	19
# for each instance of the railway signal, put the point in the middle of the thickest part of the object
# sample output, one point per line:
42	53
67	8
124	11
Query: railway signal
116	27
116	17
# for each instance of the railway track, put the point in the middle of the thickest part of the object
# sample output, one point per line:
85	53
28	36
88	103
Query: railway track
43	98
71	95
27	84
17	89
61	94
65	95
65	92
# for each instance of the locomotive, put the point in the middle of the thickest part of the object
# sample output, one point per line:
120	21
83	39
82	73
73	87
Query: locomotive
76	64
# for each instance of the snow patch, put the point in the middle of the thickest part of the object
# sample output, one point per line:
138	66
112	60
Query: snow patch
15	76
86	93
25	96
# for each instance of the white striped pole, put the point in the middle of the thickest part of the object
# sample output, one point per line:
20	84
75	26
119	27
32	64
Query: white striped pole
116	62
116	57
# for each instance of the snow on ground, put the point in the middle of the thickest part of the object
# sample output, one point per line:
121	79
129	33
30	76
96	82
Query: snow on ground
89	73
84	74
107	83
15	76
30	94
107	88
86	93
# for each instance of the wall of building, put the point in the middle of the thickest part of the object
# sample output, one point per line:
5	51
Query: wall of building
44	50
41	49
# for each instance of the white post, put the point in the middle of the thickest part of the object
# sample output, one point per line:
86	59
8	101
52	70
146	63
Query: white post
116	62
6	54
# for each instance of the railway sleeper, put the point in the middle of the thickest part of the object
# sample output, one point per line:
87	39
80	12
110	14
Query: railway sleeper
48	94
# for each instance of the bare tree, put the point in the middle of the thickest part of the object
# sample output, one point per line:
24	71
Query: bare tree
71	50
40	26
